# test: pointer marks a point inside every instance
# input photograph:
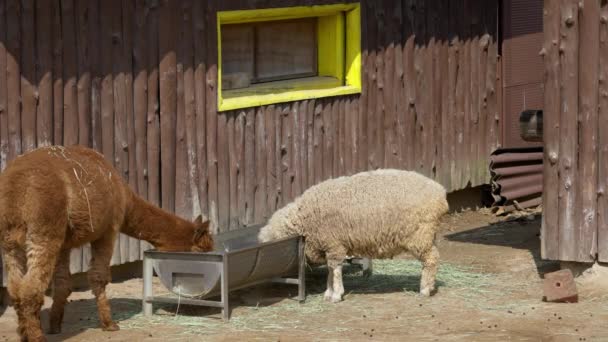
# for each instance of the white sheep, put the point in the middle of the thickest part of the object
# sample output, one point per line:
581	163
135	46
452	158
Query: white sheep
376	214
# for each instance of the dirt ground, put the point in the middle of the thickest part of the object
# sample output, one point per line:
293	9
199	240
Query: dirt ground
489	290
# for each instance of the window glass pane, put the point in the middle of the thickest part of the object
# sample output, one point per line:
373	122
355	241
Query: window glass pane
237	56
285	49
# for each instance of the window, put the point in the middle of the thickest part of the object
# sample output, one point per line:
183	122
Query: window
287	54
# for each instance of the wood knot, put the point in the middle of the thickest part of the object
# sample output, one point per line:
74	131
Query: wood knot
553	157
542	52
569	21
124	146
604	19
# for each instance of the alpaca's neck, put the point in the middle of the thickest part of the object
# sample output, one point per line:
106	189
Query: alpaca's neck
162	229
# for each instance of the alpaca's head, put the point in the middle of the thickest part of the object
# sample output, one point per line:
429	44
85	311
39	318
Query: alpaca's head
202	241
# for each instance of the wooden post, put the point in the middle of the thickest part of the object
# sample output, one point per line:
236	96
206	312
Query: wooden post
602	124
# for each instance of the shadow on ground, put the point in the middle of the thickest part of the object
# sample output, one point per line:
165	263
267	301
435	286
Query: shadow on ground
521	233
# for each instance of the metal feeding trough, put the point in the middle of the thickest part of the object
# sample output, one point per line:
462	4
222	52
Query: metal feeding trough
238	261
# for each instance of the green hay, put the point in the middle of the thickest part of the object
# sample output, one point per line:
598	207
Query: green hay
389	277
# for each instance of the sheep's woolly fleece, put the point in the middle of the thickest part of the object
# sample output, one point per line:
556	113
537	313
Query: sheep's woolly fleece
376	214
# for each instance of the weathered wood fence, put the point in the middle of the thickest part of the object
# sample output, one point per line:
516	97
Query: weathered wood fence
575	220
137	81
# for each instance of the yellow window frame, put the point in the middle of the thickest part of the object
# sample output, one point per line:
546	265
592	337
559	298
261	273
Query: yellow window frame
338	49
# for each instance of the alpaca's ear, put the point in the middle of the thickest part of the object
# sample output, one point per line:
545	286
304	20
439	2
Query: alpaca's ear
198	220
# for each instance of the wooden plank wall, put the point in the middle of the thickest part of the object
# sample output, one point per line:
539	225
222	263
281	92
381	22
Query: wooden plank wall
575	205
137	81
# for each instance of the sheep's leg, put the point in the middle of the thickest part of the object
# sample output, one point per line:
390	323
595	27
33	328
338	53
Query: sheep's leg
42	256
430	262
329	292
338	288
99	276
62	290
15	263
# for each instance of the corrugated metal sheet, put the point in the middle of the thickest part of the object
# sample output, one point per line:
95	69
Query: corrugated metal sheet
517	178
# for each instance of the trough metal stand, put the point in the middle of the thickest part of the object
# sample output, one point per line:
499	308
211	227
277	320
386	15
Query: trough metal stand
221	258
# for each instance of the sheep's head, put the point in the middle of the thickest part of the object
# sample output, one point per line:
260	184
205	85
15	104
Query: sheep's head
202	241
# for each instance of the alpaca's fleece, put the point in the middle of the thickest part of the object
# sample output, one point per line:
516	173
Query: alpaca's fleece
376	214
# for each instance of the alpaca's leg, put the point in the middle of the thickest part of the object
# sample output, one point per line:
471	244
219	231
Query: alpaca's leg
338	287
430	263
42	252
15	263
99	276
62	290
330	284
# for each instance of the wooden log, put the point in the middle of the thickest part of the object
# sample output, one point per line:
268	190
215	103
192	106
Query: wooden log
310	145
233	170
83	82
568	175
602	140
28	76
70	95
57	75
182	195
168	100
140	97
4	137
200	86
318	142
551	135
96	75
260	205
239	155
13	73
211	113
107	83
587	126
44	73
152	107
271	176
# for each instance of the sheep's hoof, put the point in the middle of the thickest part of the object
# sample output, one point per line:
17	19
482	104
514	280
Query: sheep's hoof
426	292
328	295
336	298
110	327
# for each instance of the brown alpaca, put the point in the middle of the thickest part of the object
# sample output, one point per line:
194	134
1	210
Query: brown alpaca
57	198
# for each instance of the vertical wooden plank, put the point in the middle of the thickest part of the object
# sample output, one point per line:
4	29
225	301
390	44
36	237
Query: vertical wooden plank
452	112
211	112
352	117
382	86
328	139
28	76
279	153
13	73
107	82
492	79
233	170
70	96
44	72
57	75
362	157
84	72
271	176
481	166
4	138
239	159
128	8
296	159
349	146
152	107
318	142
399	100
182	194
422	96
95	67
302	142
190	109
568	175
336	132
602	124
260	208
409	85
466	67
372	82
473	92
140	97
250	156
286	149
587	127
310	146
443	78
168	99
199	95
436	81
223	181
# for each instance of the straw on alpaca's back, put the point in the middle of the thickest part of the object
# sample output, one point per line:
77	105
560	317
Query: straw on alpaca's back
375	214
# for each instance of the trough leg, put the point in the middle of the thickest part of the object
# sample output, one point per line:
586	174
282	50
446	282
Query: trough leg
147	274
225	290
301	270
